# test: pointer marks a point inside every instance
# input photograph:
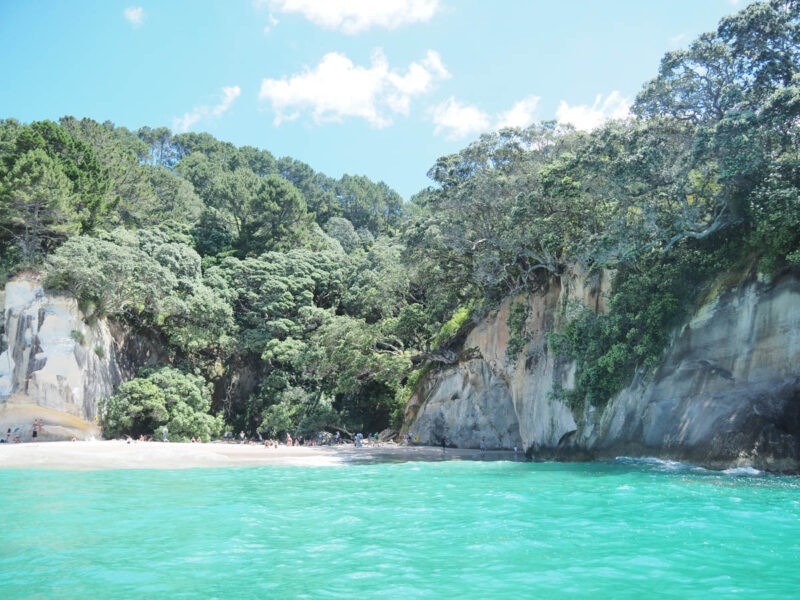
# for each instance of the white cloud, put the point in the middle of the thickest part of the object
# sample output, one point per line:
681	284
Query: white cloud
677	39
229	94
457	120
587	117
354	16
520	115
337	88
272	23
134	15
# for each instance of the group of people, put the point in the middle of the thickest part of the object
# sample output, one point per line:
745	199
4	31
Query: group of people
302	441
13	435
408	438
371	439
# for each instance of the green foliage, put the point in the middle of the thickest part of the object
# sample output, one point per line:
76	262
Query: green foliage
162	397
99	351
78	336
343	232
35	202
460	316
646	303
517	337
146	277
404	393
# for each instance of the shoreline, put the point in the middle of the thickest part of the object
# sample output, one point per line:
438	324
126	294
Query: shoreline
118	454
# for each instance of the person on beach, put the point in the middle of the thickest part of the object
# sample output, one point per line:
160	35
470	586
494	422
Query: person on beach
241	437
483	446
336	438
35	432
444	444
164	432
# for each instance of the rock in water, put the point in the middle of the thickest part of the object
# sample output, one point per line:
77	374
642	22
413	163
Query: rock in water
726	392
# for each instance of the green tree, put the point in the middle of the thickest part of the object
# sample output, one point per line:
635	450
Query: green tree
35	202
163	397
273	217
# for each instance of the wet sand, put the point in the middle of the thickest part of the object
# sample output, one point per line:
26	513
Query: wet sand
114	454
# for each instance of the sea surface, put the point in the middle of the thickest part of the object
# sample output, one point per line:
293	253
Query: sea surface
457	529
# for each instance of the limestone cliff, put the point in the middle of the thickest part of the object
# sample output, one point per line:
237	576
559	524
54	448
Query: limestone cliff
55	366
726	392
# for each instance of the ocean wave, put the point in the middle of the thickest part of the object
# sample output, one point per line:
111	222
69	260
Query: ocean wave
743	472
661	464
674	466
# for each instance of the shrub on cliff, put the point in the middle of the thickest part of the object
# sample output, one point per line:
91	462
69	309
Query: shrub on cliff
166	396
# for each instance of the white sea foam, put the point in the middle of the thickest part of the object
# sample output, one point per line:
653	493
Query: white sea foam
660	464
743	472
673	466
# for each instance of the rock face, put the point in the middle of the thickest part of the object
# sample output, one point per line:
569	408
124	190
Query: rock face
726	393
55	366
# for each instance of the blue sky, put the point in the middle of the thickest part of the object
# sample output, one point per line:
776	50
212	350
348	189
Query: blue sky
374	87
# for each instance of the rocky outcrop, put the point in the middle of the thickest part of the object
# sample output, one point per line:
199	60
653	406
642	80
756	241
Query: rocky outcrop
57	367
487	414
727	391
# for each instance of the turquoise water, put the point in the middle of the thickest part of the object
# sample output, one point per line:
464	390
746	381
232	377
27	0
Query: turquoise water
411	530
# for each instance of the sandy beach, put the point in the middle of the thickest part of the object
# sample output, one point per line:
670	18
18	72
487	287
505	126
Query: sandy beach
115	454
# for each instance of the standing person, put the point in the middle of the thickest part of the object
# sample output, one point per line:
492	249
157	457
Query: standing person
35	432
336	439
483	446
164	432
241	437
444	443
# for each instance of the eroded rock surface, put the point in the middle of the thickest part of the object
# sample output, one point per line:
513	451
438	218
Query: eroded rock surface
55	366
726	393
